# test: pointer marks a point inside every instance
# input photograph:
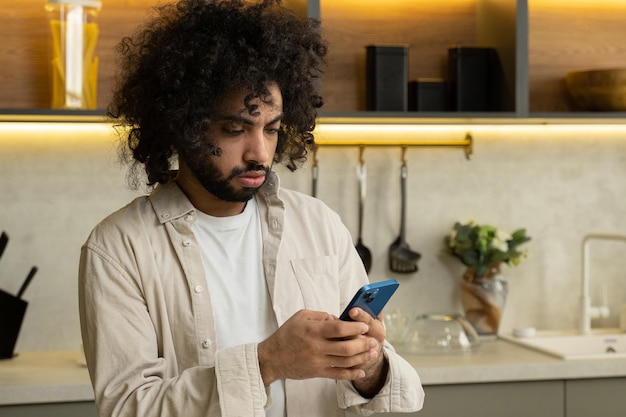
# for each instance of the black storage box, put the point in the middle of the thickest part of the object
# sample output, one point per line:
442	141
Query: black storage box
428	94
12	310
475	80
386	78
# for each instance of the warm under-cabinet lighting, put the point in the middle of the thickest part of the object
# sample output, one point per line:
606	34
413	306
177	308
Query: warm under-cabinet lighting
344	131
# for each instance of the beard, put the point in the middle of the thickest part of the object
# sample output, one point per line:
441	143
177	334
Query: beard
210	177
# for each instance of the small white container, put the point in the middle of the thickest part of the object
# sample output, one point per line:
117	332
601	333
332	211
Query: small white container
74	66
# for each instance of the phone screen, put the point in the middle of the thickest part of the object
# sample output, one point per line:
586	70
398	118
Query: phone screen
371	298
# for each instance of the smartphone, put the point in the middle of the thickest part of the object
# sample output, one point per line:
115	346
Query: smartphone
371	298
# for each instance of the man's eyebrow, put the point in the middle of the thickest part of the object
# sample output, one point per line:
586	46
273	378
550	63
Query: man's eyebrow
240	119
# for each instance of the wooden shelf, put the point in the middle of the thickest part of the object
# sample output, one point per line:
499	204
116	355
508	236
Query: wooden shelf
537	40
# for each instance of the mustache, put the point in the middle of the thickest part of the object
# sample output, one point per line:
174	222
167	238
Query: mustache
248	168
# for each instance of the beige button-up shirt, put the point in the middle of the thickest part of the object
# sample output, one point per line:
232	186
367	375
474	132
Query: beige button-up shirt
147	320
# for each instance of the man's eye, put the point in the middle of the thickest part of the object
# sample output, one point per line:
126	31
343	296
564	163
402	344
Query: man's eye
233	131
272	129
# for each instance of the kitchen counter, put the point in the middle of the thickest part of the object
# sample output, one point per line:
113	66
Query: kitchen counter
44	377
503	361
50	377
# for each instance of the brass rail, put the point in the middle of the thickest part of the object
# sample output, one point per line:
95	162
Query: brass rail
467	143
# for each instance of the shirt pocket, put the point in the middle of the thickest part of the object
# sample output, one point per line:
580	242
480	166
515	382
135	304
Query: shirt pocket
318	279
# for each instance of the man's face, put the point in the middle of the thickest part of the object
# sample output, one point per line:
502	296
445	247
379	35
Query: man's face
243	148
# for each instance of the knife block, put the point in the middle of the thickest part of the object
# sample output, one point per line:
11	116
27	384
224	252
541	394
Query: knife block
12	310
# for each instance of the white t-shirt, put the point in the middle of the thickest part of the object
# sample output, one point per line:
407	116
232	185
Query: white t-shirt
242	309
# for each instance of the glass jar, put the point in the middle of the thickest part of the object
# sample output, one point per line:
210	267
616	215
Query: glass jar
74	66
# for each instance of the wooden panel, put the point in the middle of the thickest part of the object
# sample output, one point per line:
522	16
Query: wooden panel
428	27
25	56
564	36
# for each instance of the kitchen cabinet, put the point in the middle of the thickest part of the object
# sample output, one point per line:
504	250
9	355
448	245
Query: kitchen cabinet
595	397
552	398
538	41
77	409
510	399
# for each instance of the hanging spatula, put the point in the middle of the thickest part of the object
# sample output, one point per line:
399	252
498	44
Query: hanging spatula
401	258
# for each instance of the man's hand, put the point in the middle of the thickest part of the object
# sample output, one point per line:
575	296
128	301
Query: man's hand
313	344
377	368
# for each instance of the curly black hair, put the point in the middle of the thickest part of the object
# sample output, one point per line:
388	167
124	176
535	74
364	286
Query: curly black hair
178	68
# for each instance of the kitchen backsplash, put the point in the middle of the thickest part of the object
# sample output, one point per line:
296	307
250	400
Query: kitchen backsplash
558	184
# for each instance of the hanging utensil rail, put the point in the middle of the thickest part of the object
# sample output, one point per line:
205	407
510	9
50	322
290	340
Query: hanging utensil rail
467	143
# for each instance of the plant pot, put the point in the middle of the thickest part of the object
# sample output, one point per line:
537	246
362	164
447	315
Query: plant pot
483	300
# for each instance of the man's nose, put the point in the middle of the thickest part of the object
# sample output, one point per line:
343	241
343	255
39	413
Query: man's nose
257	147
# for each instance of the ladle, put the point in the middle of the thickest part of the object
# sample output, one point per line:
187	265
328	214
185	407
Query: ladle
364	252
401	258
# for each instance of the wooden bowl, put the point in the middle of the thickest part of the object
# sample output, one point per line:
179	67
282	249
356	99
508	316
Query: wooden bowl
598	90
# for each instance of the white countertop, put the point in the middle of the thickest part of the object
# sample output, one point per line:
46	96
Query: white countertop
47	377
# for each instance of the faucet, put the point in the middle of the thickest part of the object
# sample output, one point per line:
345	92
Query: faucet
588	311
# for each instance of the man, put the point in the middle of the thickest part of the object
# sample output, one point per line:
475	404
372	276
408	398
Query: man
218	294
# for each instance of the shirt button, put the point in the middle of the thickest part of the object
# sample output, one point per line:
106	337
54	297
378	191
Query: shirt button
198	289
274	224
186	243
206	343
165	216
189	218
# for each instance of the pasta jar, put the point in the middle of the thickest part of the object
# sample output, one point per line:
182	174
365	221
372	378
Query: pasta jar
74	65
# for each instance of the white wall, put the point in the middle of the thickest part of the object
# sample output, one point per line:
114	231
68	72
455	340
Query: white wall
559	184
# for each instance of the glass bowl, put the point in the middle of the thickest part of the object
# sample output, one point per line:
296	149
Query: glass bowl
439	333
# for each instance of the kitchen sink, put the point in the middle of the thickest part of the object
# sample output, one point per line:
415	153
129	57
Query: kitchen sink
569	345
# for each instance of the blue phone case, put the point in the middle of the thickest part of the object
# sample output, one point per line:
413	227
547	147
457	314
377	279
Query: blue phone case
371	298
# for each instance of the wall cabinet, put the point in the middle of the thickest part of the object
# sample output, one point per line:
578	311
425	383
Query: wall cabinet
538	41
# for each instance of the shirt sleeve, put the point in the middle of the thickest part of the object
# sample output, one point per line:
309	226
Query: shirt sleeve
401	393
239	382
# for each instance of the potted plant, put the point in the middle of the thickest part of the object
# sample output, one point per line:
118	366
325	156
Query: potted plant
483	249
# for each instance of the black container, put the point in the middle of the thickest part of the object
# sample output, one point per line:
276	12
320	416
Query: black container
386	78
475	80
12	310
428	95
